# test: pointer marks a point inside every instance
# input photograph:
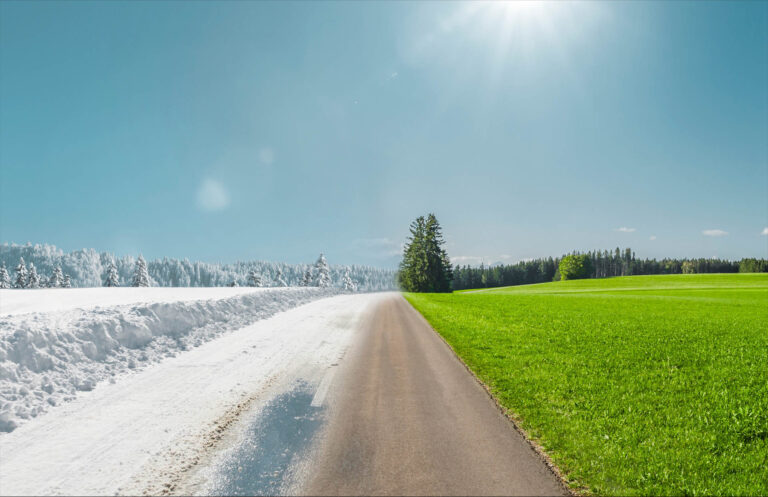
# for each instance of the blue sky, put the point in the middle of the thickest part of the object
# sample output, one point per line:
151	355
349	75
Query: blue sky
225	131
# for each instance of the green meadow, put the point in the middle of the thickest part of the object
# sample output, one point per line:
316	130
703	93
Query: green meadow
640	385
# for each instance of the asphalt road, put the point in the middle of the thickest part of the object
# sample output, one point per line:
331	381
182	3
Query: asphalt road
406	418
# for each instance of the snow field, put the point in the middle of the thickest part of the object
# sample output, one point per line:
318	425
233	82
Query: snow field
147	432
71	343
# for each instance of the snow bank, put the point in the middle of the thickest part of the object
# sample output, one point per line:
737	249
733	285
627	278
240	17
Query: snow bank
47	357
13	302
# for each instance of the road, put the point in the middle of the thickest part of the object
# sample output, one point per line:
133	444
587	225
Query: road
407	418
353	394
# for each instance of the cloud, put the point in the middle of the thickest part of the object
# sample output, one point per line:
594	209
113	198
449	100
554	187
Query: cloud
382	247
212	196
714	233
765	232
652	237
266	155
624	229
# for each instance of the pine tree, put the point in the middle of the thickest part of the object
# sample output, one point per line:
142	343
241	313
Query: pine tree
33	280
57	278
5	279
140	274
323	279
425	266
306	280
21	275
113	278
254	279
347	282
67	283
279	281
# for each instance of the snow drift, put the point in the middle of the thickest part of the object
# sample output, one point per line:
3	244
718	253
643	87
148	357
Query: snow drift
48	357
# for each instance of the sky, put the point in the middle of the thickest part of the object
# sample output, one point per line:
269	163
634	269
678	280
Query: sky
224	131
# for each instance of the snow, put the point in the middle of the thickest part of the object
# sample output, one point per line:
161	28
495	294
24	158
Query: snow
143	433
79	338
14	302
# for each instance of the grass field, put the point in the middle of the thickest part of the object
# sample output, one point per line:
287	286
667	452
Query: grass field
644	385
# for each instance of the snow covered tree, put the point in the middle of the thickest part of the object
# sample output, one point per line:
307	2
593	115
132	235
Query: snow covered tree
279	281
21	275
140	273
113	279
323	279
33	280
57	278
254	278
5	279
66	283
347	282
307	279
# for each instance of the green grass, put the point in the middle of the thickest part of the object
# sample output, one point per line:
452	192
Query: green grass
644	385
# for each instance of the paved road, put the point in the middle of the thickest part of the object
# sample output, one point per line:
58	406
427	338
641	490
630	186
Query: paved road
406	418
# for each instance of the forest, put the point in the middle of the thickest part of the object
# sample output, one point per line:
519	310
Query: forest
89	268
603	264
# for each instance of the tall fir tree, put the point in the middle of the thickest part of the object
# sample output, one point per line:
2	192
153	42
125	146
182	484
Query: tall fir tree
5	278
425	266
113	278
33	280
140	274
57	278
67	283
21	274
323	279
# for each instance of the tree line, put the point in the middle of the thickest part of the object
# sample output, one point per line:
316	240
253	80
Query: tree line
89	268
594	264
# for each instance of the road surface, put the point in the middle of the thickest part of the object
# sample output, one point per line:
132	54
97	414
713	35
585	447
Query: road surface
407	418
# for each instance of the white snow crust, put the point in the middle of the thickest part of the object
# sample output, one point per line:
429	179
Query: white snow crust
78	338
144	433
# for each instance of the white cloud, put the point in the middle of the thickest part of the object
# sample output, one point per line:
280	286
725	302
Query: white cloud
382	247
652	237
212	196
714	233
765	231
266	155
624	229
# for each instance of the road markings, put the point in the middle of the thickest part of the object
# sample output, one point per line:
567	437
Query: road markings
322	390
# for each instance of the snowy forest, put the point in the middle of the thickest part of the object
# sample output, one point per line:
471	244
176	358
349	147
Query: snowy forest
89	268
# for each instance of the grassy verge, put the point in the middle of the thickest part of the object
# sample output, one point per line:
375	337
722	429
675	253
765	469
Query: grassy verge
633	386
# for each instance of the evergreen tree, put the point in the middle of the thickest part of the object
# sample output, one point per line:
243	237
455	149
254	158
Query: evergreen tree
323	279
67	283
347	282
425	266
57	278
113	278
306	280
33	280
140	274
21	275
254	279
5	279
279	281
